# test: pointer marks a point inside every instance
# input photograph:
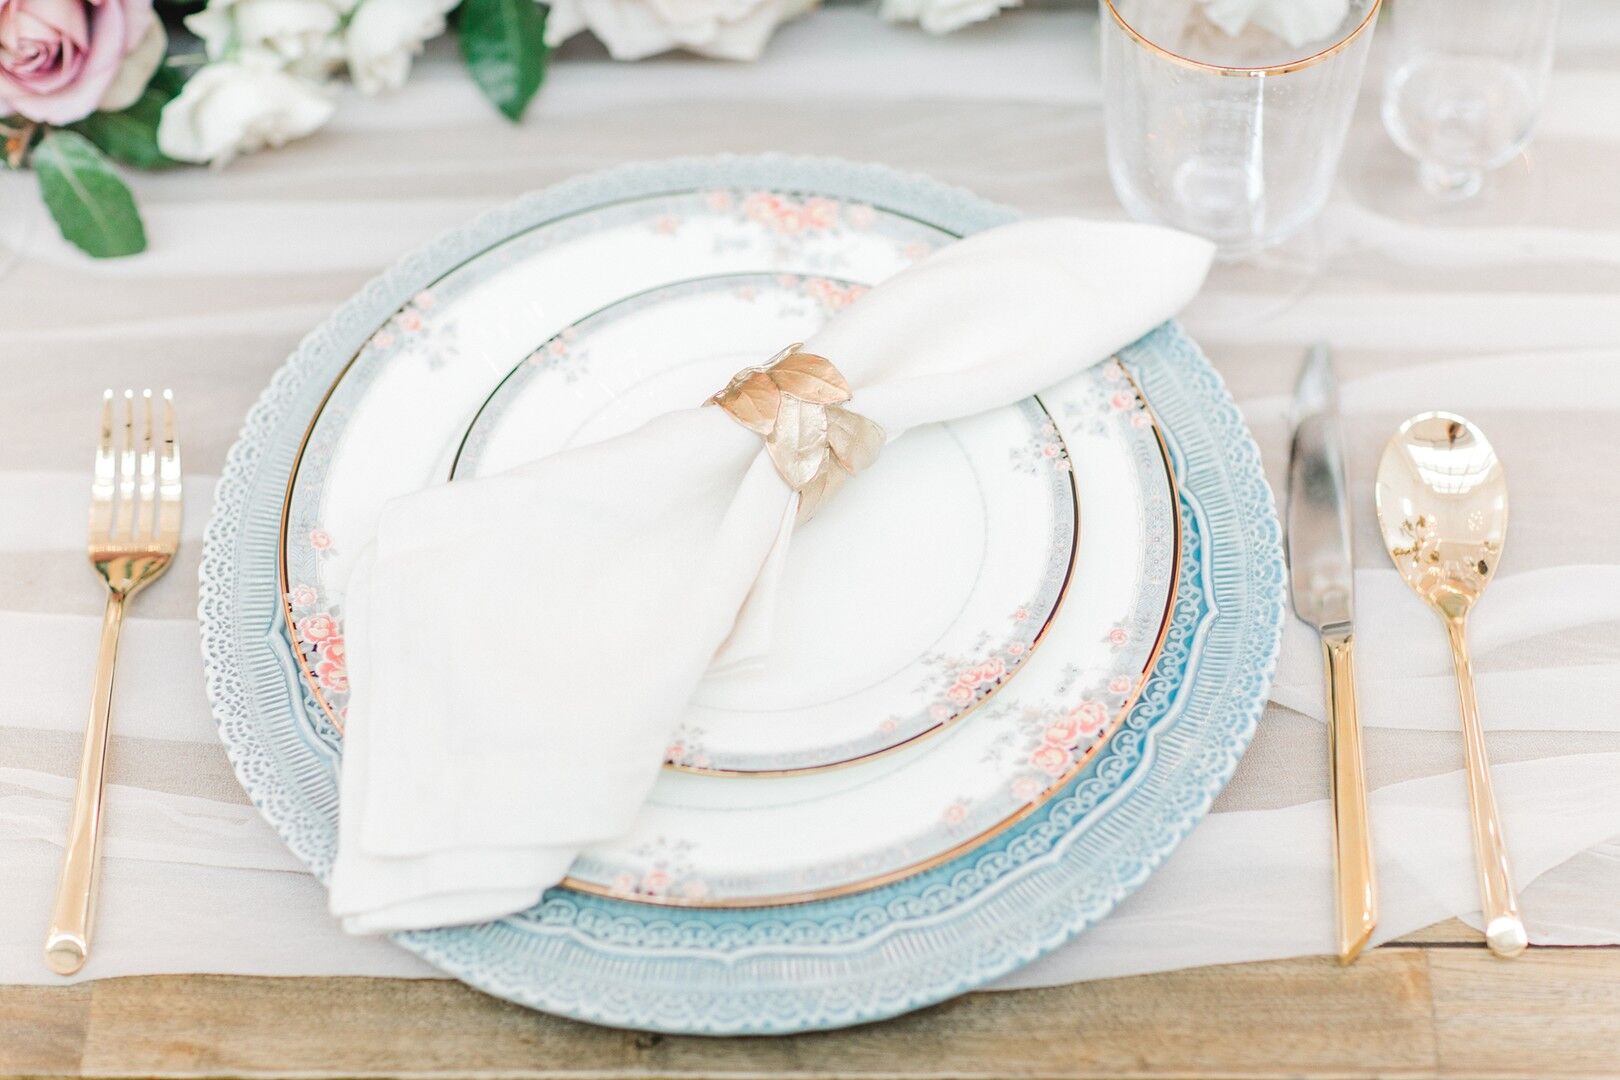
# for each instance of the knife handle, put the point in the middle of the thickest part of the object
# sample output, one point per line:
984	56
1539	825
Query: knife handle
1356	885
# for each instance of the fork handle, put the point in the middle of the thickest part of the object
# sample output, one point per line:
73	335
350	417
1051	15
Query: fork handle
1498	899
1354	877
67	942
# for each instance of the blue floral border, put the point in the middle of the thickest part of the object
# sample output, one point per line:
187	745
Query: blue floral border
836	962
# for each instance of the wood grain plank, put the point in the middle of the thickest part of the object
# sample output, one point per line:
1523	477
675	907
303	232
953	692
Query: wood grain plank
1294	1017
42	1029
1450	932
1550	1011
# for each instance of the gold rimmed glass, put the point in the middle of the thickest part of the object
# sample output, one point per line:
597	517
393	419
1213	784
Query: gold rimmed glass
1227	120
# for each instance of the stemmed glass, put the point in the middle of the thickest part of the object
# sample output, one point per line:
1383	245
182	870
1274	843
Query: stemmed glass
1227	120
1464	83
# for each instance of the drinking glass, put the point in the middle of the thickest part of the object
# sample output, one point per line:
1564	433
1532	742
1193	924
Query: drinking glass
1464	82
1227	119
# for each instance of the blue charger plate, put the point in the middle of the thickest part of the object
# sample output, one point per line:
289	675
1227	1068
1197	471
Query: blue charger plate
829	963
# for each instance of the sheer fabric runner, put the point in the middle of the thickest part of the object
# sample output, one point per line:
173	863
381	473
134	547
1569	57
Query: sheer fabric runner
1507	314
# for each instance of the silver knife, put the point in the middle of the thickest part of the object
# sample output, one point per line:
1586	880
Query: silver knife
1321	579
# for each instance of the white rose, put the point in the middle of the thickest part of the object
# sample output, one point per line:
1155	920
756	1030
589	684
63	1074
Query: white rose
384	35
632	29
301	35
234	108
943	16
1295	21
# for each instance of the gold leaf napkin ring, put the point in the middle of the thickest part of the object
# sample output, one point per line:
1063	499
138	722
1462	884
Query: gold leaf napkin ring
795	400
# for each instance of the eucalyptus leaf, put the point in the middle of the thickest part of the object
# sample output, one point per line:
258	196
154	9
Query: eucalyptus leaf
130	135
504	45
91	205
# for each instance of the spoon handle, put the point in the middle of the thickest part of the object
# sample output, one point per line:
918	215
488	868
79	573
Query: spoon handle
1504	927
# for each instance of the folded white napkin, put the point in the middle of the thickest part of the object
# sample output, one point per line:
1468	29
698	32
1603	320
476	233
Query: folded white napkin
521	646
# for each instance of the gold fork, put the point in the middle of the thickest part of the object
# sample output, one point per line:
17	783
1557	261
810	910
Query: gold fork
134	533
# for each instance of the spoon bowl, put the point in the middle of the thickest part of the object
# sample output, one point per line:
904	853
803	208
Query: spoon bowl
1443	510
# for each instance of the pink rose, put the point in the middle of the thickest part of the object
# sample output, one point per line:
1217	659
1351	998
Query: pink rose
1090	715
1051	760
317	628
624	883
820	213
1118	636
1064	731
719	201
954	814
1026	788
1120	401
888	725
301	596
1016	648
61	60
332	676
694	890
960	695
940	713
761	206
991	670
333	650
1119	684
861	216
655	882
320	539
1021	615
410	322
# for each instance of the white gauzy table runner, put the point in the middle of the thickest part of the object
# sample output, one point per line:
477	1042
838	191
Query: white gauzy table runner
1507	310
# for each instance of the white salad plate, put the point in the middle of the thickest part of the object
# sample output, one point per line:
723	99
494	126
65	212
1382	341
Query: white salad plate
1023	722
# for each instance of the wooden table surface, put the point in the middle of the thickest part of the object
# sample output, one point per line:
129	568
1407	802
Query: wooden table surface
1434	1004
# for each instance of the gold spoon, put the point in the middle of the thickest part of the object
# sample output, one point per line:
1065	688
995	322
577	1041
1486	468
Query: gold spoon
1443	509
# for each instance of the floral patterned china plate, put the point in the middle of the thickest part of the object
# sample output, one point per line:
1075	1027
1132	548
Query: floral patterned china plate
993	497
825	898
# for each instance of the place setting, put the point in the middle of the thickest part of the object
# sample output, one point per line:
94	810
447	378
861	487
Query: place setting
970	696
757	594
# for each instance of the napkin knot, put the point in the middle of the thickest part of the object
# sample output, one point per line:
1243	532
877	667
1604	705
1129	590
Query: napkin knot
796	401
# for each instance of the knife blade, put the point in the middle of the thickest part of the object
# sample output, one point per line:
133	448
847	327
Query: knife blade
1322	586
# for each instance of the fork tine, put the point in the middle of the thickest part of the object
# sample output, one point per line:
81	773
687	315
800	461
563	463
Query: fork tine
101	484
169	489
123	527
146	510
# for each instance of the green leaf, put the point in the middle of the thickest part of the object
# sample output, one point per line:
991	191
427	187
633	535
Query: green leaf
91	205
131	135
504	44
